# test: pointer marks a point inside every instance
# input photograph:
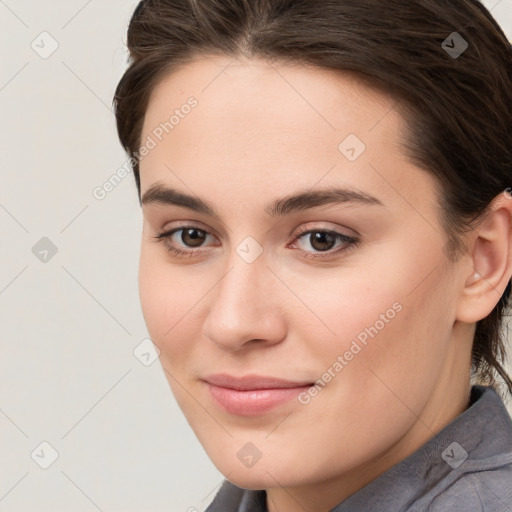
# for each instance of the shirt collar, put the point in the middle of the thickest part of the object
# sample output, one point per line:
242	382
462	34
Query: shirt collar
480	436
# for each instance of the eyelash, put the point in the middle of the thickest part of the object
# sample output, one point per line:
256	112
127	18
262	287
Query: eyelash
350	242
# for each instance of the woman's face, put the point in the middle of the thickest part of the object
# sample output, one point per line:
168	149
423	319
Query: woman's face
351	290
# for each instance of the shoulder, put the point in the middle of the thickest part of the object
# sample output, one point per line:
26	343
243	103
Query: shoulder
482	491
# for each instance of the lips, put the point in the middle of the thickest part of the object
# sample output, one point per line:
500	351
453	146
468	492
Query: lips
250	382
252	395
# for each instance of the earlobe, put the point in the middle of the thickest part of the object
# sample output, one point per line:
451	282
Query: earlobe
491	260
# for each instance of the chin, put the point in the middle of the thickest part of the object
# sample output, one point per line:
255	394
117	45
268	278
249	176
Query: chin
246	479
264	474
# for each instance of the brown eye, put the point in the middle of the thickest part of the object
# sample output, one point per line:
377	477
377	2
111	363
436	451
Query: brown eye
192	237
322	240
183	241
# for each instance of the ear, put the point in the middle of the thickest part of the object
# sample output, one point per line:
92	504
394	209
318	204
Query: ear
490	268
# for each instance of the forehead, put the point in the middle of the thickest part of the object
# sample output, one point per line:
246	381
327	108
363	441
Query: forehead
280	124
242	87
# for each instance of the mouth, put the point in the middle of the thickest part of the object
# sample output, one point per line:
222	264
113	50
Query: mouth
252	395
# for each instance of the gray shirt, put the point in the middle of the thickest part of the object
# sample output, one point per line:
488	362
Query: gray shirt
466	467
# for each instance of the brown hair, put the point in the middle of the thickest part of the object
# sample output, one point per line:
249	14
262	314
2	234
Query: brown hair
458	108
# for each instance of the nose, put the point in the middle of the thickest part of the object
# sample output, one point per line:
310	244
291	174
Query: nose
247	307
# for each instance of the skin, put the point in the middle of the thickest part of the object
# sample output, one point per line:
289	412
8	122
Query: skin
262	131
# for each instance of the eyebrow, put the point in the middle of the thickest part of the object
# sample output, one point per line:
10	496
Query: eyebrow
299	201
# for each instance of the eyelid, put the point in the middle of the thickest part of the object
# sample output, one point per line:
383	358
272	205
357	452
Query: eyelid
312	226
184	224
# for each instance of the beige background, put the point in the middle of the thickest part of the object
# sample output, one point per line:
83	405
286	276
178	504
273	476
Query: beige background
69	326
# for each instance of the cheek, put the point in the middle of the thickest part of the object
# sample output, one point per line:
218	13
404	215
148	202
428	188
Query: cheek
170	299
406	354
344	306
161	296
385	322
154	295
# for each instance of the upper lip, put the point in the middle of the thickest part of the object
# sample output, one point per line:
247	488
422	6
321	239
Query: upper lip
247	382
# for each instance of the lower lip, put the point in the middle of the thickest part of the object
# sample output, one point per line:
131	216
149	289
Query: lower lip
252	402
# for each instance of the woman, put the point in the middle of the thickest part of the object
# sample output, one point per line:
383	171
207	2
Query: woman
327	249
